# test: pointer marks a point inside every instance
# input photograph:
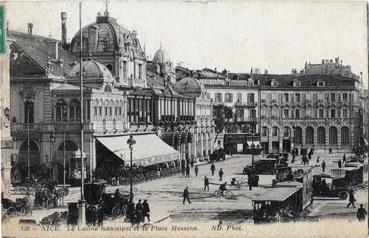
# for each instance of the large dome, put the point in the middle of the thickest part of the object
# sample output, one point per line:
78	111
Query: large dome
190	86
106	35
161	57
93	71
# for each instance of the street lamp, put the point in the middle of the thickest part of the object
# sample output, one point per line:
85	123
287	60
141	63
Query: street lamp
52	140
131	141
252	148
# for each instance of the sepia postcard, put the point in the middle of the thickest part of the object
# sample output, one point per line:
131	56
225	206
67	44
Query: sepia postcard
124	118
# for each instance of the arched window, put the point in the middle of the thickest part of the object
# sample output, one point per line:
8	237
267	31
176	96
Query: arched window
28	111
107	88
321	135
345	136
298	135
275	131
286	132
74	111
264	131
245	129
69	146
234	129
61	111
333	135
309	135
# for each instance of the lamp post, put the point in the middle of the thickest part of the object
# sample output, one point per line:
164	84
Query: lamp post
52	140
64	159
131	141
252	148
28	149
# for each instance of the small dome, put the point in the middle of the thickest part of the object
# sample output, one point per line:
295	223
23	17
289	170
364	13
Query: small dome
93	70
161	57
190	86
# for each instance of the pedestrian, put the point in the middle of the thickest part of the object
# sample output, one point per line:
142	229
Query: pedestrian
344	158
186	195
351	199
339	164
293	158
196	170
130	211
212	168
187	171
317	160
221	174
323	166
361	212
206	183
100	213
138	215
145	211
192	163
250	180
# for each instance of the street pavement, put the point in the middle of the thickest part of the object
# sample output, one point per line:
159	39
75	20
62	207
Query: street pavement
165	194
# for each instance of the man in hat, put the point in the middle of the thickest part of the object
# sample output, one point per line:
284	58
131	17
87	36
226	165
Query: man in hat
186	195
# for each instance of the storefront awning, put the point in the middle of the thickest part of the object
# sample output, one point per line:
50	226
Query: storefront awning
148	150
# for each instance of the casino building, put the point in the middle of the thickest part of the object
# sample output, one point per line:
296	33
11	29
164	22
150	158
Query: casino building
122	96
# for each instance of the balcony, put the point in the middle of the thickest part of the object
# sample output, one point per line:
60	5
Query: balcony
248	104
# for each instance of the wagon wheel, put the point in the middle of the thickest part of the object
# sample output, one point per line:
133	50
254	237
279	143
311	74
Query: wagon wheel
228	194
343	195
217	194
26	211
271	172
11	211
124	210
116	211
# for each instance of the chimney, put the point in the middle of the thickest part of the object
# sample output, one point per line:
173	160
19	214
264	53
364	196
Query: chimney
53	46
92	38
64	28
30	26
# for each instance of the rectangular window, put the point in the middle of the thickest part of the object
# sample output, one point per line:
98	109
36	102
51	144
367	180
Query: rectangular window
321	113
100	111
218	97
252	113
140	71
286	97
106	111
228	97
344	112
315	97
95	111
285	113
333	97
298	97
110	111
333	113
297	114
251	98
239	97
344	97
125	69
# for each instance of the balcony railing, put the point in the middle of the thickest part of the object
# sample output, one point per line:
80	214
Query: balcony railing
248	104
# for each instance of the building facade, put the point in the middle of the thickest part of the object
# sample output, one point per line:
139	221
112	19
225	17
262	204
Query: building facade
202	144
235	100
309	111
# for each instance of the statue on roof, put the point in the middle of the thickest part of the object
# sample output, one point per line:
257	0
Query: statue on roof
49	69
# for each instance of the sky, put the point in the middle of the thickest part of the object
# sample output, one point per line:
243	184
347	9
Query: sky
236	36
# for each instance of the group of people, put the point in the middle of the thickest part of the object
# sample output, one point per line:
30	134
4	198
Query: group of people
137	213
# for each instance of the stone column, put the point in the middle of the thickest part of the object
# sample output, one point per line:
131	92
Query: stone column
270	140
201	145
303	139
315	137
339	137
326	138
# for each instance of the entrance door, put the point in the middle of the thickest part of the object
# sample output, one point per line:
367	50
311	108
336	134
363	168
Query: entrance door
287	146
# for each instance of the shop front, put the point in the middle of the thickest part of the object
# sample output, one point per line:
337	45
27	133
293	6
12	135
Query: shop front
242	143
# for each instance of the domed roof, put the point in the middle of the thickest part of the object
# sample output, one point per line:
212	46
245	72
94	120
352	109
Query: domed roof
93	70
161	56
190	86
110	37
